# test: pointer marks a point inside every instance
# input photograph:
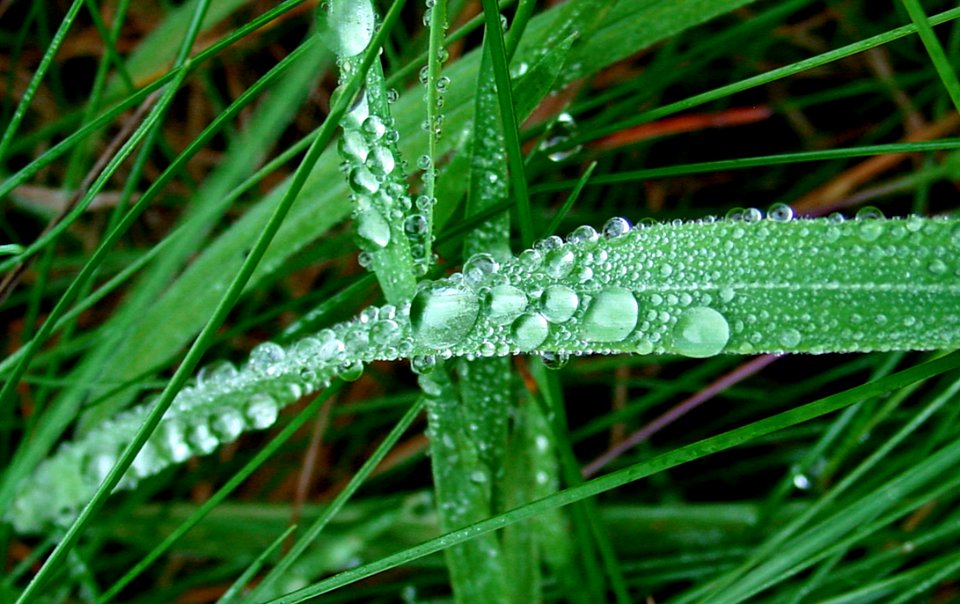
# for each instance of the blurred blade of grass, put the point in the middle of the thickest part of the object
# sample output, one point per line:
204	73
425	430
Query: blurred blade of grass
132	100
765	78
310	535
65	409
937	56
237	587
11	130
947	144
221	494
595	539
774	556
676	457
287	85
324	201
223	306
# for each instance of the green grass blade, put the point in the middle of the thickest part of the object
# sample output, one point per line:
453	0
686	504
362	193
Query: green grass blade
636	472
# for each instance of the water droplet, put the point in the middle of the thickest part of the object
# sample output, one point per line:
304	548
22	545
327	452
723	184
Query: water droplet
937	266
801	481
504	303
392	95
478	267
350	371
267	358
914	223
363	182
380	161
372	227
582	234
869	213
727	294
611	316
203	439
530	331
789	338
227	424
616	227
423	363
442	83
559	262
554	360
424	162
780	212
558	303
415	225
700	332
351	23
262	411
564	129
442	315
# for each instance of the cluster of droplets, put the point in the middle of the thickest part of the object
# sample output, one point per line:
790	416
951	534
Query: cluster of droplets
739	284
221	403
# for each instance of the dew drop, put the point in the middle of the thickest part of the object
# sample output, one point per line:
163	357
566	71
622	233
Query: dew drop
558	303
373	228
423	363
350	371
530	331
442	315
267	358
203	439
504	303
727	294
262	411
752	215
616	227
554	360
780	212
478	267
937	266
914	223
556	144
700	332
790	338
611	316
227	424
352	23
363	182
582	234
559	262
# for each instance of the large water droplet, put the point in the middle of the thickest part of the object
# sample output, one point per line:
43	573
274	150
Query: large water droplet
227	424
351	23
442	315
780	212
529	331
611	316
557	143
700	332
504	303
558	303
373	227
616	227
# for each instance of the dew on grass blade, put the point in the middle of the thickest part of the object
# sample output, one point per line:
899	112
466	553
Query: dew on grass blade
530	331
700	332
442	314
611	316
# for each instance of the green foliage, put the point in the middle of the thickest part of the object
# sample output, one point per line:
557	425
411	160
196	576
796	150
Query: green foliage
809	478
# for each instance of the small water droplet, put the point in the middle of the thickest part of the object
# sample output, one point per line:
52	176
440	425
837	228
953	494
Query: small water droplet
937	266
478	267
559	262
564	129
423	363
780	212
267	358
554	360
616	227
700	332
790	338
